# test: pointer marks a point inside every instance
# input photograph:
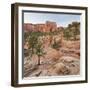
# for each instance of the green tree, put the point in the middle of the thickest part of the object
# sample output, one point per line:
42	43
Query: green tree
72	30
33	40
76	30
39	51
67	34
36	45
56	45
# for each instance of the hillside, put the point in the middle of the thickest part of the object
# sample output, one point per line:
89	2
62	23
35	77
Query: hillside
55	52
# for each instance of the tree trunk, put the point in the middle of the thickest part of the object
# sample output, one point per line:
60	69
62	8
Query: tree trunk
38	60
31	51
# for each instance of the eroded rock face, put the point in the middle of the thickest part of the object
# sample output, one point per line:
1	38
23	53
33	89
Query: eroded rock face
72	63
45	27
71	44
65	65
53	54
59	69
65	61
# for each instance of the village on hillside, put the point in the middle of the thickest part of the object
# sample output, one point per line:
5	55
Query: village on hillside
51	50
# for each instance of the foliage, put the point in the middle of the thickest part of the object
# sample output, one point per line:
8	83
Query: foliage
39	51
67	34
56	45
35	45
33	40
72	31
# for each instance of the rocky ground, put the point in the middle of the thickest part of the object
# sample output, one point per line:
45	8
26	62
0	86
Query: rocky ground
65	61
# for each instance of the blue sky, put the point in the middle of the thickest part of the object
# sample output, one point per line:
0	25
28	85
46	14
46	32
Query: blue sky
60	19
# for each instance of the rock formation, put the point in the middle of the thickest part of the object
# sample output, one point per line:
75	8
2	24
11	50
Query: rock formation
47	27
